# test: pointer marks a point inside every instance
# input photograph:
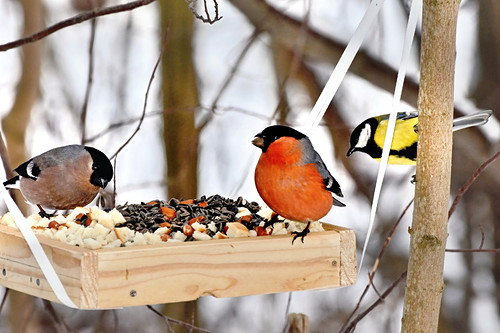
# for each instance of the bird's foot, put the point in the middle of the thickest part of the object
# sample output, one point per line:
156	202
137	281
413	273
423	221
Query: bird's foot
302	233
271	221
413	179
43	213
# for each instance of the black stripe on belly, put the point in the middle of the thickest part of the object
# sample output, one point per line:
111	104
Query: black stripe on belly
408	152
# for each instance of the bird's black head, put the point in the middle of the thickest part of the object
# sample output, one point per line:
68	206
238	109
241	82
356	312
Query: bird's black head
273	133
362	137
101	166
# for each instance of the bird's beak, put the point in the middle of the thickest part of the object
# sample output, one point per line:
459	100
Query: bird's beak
258	142
351	150
103	182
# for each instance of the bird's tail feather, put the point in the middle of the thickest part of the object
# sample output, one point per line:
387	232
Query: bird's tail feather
12	183
338	203
476	119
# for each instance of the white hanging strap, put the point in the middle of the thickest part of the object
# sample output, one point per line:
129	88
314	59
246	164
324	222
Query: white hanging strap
415	11
343	65
35	247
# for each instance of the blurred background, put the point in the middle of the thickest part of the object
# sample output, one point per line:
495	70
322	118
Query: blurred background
230	68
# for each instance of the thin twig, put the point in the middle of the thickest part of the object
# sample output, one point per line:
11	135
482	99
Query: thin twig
356	307
358	318
166	319
482	236
143	115
4	155
90	80
287	311
372	284
208	19
75	20
471	180
115	320
4	298
114	185
169	320
375	266
59	324
133	120
230	76
389	237
297	56
473	250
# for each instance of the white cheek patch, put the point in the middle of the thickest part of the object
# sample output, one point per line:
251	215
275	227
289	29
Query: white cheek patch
29	169
364	136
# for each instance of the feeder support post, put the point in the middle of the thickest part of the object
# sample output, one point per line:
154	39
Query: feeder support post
424	286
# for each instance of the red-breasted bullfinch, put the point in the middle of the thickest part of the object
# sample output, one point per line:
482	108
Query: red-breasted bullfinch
291	177
63	177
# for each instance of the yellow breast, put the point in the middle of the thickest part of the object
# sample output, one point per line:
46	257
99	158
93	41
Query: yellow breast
404	137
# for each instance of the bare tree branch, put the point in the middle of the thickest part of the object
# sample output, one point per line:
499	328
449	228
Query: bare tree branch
471	180
287	311
169	320
4	298
473	250
371	274
59	324
230	76
90	79
293	65
5	159
389	237
285	29
217	111
208	18
75	20
141	120
356	320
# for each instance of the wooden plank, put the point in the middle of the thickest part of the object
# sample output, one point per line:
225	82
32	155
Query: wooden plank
20	271
348	263
174	272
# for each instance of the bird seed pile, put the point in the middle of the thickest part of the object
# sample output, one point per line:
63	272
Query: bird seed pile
158	222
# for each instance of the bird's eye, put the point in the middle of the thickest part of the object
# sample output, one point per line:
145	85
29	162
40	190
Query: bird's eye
94	167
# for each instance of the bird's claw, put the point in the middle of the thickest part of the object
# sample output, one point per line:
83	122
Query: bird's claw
271	221
301	234
43	213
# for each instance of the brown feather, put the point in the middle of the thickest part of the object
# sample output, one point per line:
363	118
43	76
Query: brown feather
64	186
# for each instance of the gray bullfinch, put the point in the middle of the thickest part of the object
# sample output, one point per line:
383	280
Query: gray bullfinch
63	178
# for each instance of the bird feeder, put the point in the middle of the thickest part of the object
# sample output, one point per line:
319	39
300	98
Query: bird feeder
177	272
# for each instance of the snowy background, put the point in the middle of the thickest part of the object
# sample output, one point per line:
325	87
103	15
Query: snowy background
125	51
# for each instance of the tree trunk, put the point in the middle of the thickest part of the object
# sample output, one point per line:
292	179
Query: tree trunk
424	286
180	99
22	315
15	123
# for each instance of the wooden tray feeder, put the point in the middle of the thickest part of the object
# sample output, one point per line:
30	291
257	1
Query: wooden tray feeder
175	272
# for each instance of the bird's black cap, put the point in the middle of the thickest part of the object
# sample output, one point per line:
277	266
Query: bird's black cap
103	170
273	133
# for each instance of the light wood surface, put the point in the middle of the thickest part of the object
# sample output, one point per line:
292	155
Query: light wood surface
174	272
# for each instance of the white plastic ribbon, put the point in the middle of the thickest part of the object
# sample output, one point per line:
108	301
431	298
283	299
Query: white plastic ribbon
343	65
415	11
37	250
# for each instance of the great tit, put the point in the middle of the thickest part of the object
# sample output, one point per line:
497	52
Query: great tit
368	137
